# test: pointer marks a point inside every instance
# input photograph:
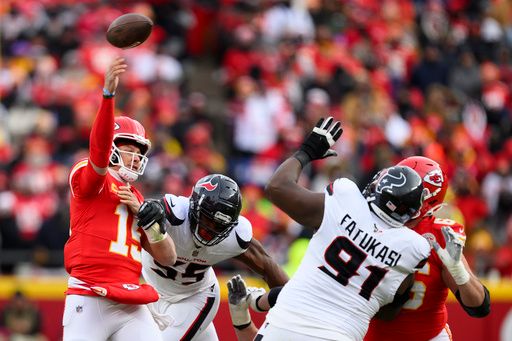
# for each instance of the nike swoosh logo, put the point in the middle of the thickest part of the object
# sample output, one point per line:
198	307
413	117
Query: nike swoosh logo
172	204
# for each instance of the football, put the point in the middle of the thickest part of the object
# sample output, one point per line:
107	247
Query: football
129	30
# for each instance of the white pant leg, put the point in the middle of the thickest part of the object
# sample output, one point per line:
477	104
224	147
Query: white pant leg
83	319
94	318
444	335
268	332
140	325
193	316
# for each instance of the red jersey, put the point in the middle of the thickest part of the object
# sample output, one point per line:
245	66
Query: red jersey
104	244
424	315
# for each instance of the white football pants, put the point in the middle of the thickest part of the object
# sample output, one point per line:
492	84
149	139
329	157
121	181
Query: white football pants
91	318
192	317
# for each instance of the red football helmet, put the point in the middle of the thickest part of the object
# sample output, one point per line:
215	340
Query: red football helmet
129	131
434	181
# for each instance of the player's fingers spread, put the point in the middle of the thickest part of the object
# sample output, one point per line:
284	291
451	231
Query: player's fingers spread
236	287
336	125
319	123
336	130
328	122
337	133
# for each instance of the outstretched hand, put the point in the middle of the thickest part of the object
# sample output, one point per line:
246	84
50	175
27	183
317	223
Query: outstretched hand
451	255
238	305
319	142
115	69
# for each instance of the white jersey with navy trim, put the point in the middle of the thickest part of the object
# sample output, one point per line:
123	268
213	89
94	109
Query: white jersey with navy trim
192	271
354	265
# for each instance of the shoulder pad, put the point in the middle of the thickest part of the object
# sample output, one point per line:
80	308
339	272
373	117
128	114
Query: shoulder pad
80	164
243	232
342	185
176	209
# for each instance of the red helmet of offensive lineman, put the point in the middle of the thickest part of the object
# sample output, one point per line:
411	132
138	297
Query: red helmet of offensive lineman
434	181
129	131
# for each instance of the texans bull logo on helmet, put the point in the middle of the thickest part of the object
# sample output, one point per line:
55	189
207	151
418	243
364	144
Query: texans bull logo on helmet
208	186
389	181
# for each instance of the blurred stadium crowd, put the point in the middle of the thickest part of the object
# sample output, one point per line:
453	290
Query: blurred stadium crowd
232	86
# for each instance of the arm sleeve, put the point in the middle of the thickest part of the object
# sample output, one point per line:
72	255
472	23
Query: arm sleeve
102	134
87	181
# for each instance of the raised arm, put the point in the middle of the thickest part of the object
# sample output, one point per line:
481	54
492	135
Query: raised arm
302	205
259	261
102	133
90	180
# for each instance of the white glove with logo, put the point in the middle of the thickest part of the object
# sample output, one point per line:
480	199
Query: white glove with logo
240	298
451	255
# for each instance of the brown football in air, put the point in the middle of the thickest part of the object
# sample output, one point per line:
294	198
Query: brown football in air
129	30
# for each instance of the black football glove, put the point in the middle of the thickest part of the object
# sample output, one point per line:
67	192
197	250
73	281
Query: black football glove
150	212
317	145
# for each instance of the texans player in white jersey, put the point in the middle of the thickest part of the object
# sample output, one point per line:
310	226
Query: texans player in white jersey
361	258
207	229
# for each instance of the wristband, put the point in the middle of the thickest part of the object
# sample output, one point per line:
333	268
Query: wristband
154	234
243	326
256	307
459	273
302	157
108	94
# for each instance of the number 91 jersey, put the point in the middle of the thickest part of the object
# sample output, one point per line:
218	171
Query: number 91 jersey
354	265
192	271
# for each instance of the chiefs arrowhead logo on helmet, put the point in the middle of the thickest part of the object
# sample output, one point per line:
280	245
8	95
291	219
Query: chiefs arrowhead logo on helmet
434	177
208	186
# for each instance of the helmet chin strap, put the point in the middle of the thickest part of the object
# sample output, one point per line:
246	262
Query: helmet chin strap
127	175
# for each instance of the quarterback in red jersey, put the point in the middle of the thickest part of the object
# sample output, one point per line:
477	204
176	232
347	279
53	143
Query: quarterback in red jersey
424	316
103	253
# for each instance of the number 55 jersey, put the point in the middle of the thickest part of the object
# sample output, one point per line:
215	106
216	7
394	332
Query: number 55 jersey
354	265
193	270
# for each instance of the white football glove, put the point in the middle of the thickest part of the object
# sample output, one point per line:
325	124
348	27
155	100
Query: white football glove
451	255
240	298
238	305
253	294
